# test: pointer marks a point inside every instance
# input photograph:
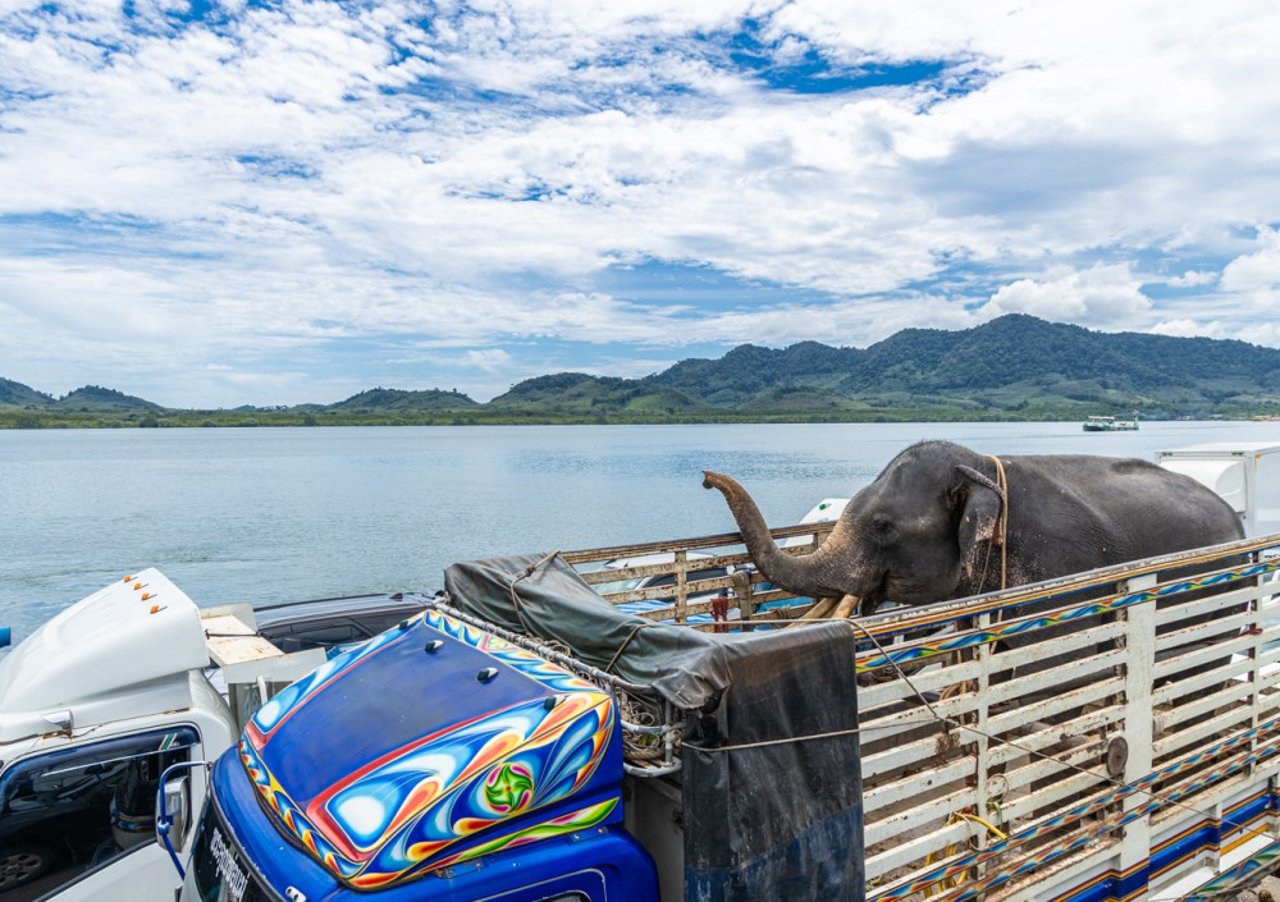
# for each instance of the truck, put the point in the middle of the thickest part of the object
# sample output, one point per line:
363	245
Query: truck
97	702
1245	474
527	738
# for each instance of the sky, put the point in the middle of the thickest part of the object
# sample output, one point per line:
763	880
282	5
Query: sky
211	204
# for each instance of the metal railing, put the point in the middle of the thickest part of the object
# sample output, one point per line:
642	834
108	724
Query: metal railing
690	596
1118	725
1081	729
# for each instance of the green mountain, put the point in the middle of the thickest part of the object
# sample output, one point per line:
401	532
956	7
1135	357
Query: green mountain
95	399
1018	348
579	393
1014	367
15	394
1014	363
395	399
748	371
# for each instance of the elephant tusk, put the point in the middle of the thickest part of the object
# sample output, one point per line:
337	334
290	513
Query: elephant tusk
844	610
829	609
821	608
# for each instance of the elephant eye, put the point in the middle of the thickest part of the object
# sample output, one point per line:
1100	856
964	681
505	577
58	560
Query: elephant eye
882	526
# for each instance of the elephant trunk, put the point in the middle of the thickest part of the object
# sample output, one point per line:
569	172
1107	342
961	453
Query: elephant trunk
810	574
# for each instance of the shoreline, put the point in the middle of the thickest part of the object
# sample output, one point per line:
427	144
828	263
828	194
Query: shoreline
33	420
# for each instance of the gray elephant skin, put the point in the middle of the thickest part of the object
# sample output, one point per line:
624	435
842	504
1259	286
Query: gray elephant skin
928	527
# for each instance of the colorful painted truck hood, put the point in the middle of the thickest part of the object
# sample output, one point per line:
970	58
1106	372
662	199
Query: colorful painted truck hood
433	744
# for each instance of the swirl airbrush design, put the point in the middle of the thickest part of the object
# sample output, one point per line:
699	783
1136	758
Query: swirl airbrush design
450	796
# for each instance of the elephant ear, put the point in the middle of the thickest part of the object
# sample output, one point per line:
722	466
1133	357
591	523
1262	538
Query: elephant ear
980	502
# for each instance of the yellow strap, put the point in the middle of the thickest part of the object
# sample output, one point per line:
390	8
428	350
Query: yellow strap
1003	482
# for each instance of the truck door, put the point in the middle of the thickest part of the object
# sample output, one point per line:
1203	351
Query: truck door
79	809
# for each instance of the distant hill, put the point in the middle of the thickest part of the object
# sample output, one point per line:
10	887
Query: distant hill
1008	363
1014	367
1018	348
583	394
748	370
18	395
395	399
96	399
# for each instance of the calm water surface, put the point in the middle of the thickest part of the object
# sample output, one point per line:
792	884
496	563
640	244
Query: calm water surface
267	515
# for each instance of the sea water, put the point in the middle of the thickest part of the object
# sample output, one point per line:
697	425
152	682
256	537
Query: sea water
277	514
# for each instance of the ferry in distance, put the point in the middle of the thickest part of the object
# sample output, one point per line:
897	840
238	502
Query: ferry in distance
1110	424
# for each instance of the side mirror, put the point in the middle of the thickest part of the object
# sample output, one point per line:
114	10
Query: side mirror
173	809
176	810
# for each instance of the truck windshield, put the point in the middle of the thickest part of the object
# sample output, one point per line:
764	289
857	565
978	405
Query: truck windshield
218	871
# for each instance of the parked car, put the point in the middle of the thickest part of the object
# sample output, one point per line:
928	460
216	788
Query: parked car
333	623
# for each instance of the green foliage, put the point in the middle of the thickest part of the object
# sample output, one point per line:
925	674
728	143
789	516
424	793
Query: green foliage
1013	368
593	396
376	399
18	395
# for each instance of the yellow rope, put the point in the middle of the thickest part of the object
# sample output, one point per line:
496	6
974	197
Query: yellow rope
991	828
955	849
1003	482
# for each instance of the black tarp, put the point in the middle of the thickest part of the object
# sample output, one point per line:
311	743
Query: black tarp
778	820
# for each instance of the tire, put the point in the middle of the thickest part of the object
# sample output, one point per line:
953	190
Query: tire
23	862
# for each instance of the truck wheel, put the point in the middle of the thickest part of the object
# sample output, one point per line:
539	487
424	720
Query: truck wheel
22	863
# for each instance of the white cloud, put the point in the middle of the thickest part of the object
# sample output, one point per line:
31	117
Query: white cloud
1259	270
1100	296
490	360
1191	278
1190	328
1264	332
229	194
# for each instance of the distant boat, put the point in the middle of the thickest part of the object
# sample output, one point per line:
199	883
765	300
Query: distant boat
1110	424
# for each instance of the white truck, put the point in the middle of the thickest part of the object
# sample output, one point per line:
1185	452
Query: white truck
100	699
1246	474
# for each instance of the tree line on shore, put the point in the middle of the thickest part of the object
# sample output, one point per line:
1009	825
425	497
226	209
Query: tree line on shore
1016	367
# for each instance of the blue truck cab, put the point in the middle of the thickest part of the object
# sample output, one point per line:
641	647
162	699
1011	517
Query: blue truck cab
436	761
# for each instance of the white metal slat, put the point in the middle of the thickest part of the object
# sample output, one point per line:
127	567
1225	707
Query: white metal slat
916	785
1047	735
1040	710
1180	610
929	680
1209	729
1052	734
915	850
1216	676
899	822
912	753
1204	631
1171	666
1127	693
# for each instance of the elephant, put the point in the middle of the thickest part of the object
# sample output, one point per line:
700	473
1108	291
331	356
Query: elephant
928	528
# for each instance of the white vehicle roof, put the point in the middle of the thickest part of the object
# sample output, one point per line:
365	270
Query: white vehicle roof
825	511
1218	448
121	651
